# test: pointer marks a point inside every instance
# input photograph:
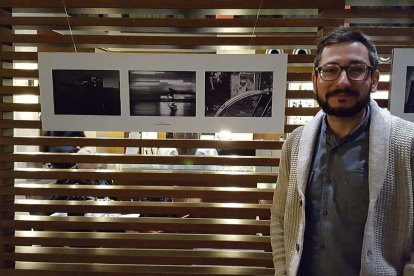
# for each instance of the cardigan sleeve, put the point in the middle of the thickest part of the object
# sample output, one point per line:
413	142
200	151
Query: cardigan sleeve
278	211
409	266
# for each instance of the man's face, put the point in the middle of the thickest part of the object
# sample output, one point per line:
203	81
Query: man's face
344	97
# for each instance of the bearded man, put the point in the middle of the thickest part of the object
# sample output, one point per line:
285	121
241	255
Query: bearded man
343	202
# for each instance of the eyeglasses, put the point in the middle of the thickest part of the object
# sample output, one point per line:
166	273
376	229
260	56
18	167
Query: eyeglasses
356	72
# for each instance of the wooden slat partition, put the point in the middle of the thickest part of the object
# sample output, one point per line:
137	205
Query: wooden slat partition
227	233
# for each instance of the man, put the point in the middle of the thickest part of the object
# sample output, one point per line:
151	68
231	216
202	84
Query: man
343	204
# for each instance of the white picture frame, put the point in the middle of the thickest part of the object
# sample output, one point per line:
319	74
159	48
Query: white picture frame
402	84
116	86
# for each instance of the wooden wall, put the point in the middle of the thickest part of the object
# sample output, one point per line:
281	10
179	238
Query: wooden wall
228	232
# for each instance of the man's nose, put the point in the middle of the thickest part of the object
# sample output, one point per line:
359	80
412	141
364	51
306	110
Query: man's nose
343	79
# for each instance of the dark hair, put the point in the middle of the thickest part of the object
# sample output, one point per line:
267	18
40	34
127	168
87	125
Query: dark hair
346	34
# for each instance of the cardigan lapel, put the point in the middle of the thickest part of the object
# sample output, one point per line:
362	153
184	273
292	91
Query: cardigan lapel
379	138
380	129
306	147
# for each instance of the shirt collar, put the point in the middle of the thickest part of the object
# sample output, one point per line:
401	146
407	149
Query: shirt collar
363	125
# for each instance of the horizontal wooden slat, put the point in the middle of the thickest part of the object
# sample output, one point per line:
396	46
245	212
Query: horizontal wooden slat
290	128
125	41
300	94
26	56
368	13
147	176
127	191
18	73
384	86
23	107
19	90
174	4
311	111
130	23
382	103
300	59
291	76
125	256
187	41
21	124
120	142
40	268
394	41
387	49
139	240
211	210
384	68
141	159
141	224
299	111
386	31
216	192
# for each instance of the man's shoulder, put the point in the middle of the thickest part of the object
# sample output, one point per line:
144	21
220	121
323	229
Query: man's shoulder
402	125
294	137
402	132
308	129
296	133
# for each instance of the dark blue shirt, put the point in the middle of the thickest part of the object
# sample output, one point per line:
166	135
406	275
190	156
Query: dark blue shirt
336	203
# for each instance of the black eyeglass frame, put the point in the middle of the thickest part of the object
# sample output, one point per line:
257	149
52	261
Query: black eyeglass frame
346	68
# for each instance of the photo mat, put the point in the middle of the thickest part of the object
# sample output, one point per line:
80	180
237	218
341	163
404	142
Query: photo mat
402	84
162	92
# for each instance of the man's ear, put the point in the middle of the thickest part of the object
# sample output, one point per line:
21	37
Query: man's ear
374	80
314	81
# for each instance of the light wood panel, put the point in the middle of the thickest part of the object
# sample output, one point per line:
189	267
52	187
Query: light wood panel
175	4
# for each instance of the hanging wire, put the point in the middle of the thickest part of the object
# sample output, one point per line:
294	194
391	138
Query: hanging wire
70	28
255	23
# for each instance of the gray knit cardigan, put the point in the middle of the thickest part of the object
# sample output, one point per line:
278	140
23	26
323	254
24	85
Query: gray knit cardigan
388	238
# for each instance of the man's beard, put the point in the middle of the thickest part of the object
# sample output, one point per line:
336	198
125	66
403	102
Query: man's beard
343	111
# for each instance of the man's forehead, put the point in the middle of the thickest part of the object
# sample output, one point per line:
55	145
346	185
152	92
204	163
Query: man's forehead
349	51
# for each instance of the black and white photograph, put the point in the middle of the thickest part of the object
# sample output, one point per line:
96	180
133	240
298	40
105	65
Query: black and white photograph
402	84
409	90
162	93
238	94
86	92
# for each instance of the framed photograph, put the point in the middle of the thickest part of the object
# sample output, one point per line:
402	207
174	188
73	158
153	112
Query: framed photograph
86	92
162	92
402	84
238	94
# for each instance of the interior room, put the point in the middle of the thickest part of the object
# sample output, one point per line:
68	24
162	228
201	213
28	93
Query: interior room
144	175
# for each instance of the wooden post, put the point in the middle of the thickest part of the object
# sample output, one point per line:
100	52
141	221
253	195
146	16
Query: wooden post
6	200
